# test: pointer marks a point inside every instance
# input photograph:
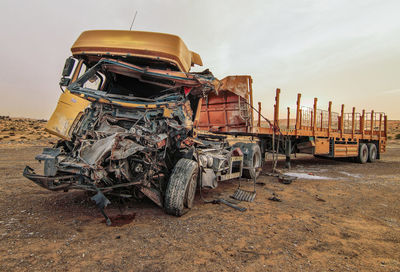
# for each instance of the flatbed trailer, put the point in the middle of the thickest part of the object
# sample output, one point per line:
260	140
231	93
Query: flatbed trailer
313	131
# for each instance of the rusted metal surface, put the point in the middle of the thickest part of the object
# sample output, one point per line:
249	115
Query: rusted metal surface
239	85
225	112
229	108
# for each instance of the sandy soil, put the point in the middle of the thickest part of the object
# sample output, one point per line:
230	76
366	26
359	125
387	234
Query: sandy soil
347	221
16	132
393	129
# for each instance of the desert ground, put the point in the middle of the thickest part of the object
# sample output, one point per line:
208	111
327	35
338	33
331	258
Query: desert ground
338	216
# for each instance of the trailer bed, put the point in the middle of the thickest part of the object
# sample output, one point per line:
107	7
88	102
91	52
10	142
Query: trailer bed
311	130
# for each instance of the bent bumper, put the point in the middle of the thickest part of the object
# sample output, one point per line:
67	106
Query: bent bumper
55	183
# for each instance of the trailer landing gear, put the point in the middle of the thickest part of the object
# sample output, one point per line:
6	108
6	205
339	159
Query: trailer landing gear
287	162
288	151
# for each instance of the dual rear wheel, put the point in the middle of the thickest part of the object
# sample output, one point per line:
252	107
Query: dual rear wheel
367	153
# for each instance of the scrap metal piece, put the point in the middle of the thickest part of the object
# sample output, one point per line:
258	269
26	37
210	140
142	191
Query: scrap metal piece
154	195
49	156
102	202
124	149
223	201
244	195
93	153
275	197
285	179
208	178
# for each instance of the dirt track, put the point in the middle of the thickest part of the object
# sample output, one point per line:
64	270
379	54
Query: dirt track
349	221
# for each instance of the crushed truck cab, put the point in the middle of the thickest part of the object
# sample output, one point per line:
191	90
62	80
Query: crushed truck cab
127	123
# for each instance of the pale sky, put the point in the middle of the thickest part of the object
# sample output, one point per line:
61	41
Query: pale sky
344	51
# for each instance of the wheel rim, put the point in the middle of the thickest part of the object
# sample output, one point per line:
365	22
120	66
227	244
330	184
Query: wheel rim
256	162
365	153
190	191
373	154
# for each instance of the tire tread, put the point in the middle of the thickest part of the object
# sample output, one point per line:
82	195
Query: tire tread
178	183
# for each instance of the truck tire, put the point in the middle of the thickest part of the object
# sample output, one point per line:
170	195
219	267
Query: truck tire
251	159
181	188
372	152
362	153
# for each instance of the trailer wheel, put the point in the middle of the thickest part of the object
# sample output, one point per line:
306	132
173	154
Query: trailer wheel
181	188
252	160
362	153
372	152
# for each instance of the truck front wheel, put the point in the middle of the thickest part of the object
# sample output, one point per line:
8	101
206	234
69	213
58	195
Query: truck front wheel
181	188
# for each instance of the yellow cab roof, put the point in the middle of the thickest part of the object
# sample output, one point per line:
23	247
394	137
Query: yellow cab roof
152	45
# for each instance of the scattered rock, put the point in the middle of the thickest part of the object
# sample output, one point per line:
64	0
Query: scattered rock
275	197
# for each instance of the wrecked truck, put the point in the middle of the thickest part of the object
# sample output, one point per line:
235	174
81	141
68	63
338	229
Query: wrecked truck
127	120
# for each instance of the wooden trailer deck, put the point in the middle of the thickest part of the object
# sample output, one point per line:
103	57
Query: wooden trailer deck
347	128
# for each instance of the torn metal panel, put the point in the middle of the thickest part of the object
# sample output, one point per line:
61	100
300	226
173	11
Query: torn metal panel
209	179
93	152
124	148
154	195
105	127
239	85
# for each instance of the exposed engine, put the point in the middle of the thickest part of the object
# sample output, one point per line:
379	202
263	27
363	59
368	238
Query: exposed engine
132	136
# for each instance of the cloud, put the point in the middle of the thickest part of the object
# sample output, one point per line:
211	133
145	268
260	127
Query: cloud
344	51
395	91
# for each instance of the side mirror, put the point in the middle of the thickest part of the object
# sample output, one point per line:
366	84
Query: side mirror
69	68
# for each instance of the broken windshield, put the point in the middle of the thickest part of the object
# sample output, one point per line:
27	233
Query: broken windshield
110	78
115	78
